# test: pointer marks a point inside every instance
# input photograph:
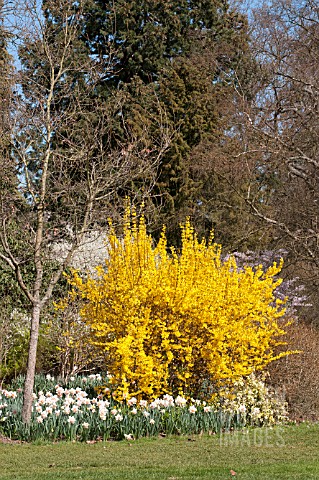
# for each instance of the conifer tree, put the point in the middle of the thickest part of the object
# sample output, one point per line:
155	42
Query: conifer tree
184	56
189	51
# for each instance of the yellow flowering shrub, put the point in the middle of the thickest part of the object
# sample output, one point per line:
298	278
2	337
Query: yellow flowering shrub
171	321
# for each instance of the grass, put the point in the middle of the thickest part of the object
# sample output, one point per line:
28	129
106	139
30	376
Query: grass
290	452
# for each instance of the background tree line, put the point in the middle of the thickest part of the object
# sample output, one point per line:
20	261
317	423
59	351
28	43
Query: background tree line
190	108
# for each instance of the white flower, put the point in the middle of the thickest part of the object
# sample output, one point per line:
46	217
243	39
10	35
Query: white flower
180	401
118	417
85	425
75	409
255	412
41	400
146	413
134	411
155	404
128	436
102	404
143	403
59	391
71	420
113	411
152	421
192	409
40	419
72	379
168	401
132	401
207	409
242	409
53	400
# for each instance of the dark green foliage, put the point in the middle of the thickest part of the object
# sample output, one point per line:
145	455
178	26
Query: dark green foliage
188	53
147	36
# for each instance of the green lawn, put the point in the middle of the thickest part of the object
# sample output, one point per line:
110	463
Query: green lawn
282	453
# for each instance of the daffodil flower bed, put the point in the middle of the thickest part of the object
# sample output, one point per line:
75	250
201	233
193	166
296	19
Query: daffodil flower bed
69	413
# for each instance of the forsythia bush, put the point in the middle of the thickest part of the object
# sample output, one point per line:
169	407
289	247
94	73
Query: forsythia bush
172	321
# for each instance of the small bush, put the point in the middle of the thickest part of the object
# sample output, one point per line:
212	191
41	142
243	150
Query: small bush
258	403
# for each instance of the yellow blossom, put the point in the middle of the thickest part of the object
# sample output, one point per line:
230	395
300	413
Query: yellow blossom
171	322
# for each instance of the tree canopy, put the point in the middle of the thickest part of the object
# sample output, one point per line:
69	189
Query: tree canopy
176	63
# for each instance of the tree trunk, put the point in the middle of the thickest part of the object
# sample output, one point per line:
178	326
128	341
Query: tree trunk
32	356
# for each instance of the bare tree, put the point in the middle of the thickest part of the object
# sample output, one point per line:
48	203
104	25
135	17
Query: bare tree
68	168
282	131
